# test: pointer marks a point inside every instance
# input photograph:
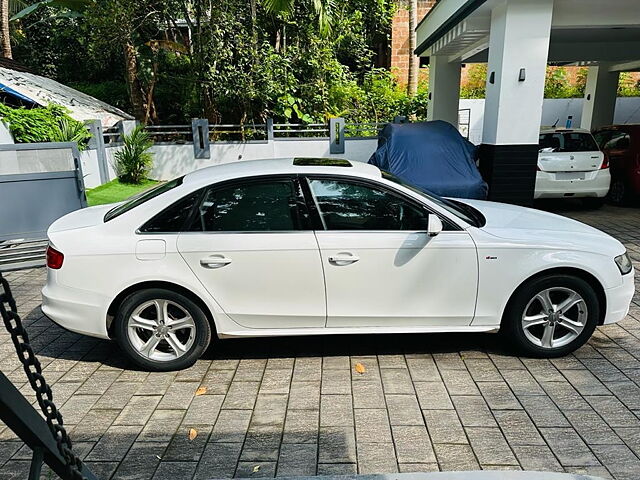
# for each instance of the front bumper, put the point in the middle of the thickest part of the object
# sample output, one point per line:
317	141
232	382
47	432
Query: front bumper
555	185
75	310
619	299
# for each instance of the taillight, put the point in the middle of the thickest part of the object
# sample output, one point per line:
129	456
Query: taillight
54	258
605	162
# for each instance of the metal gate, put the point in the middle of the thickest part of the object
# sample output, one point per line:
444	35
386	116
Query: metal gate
39	183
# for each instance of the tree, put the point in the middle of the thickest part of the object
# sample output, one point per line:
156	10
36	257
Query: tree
5	34
412	83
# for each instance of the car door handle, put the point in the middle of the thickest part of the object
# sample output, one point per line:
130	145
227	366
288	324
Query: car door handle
343	259
215	261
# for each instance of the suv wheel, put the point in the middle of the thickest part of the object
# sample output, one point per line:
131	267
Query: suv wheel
162	330
552	316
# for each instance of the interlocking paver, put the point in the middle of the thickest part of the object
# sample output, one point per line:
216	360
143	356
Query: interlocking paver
423	403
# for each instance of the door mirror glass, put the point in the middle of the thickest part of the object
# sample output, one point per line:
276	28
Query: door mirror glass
434	226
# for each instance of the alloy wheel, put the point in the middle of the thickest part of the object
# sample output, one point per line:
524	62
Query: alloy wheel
554	317
161	330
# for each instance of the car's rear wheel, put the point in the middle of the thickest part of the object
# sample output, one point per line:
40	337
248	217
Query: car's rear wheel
619	192
162	330
551	316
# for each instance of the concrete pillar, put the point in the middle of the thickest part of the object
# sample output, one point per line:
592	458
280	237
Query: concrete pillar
444	90
518	49
600	93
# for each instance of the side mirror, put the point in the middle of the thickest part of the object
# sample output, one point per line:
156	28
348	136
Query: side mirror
434	225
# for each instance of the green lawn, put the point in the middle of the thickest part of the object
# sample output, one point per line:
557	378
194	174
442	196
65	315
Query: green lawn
114	191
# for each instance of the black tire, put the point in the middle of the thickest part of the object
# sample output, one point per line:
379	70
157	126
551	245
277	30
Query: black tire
514	332
593	202
198	341
619	192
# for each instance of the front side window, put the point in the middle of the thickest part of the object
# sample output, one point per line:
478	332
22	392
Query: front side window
261	206
345	205
618	141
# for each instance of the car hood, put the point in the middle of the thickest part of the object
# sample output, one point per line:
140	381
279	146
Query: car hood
543	228
85	217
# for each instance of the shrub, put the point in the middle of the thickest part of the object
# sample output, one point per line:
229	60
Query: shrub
44	124
133	161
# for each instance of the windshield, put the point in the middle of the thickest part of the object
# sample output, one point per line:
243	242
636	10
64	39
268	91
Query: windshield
459	209
568	142
133	202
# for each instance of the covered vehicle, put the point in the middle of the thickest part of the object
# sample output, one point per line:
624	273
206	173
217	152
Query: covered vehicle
433	156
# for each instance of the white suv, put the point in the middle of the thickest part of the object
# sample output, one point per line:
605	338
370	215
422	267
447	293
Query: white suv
570	165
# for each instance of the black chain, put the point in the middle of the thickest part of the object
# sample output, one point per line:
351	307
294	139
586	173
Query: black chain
33	369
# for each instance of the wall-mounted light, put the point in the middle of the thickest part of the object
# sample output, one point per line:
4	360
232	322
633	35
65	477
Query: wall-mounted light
492	78
522	75
429	95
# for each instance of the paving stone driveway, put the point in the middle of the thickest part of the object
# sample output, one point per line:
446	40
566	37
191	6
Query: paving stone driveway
298	407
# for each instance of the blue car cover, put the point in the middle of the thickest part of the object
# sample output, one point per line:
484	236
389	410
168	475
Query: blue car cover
433	156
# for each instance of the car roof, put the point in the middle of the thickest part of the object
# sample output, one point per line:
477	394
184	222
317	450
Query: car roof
563	130
275	166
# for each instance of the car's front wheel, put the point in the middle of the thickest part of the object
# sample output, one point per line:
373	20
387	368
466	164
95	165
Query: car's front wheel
551	316
161	330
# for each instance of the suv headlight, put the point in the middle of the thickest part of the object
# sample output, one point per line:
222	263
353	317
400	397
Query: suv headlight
624	263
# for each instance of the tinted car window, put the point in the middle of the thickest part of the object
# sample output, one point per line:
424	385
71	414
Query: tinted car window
253	207
142	198
173	218
568	142
618	141
345	205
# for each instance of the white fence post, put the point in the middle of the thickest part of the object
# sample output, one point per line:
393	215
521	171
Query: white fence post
96	142
336	135
200	131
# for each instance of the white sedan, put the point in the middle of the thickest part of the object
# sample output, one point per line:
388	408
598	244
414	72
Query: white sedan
324	246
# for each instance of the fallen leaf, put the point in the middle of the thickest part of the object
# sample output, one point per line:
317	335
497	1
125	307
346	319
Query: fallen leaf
193	433
360	368
256	468
201	391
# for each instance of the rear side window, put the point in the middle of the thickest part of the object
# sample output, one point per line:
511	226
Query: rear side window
568	142
262	206
133	202
174	218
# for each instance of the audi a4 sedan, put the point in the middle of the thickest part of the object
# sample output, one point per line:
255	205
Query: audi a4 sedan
303	246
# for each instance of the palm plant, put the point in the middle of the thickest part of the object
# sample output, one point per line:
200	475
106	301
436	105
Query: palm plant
69	130
133	161
323	8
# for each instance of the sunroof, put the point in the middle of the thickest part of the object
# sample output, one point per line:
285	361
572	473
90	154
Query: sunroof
321	162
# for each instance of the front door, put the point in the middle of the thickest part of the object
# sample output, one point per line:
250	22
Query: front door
381	267
252	249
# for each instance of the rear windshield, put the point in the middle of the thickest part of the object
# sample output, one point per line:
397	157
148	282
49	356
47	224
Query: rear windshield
568	142
133	202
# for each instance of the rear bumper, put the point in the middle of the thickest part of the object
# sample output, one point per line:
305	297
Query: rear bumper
595	184
76	310
619	298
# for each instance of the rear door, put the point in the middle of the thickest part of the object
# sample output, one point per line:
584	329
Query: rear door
251	246
569	152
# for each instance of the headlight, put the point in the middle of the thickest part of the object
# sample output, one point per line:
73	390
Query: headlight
624	263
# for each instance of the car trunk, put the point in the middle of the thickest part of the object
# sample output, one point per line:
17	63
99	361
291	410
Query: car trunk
569	151
570	161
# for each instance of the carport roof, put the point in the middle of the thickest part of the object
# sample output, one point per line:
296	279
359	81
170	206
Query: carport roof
582	32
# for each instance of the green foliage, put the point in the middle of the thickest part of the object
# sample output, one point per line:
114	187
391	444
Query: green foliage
69	130
627	87
110	91
114	191
476	83
133	161
44	124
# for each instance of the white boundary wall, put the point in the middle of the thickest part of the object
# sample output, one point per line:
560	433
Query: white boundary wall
627	111
172	160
